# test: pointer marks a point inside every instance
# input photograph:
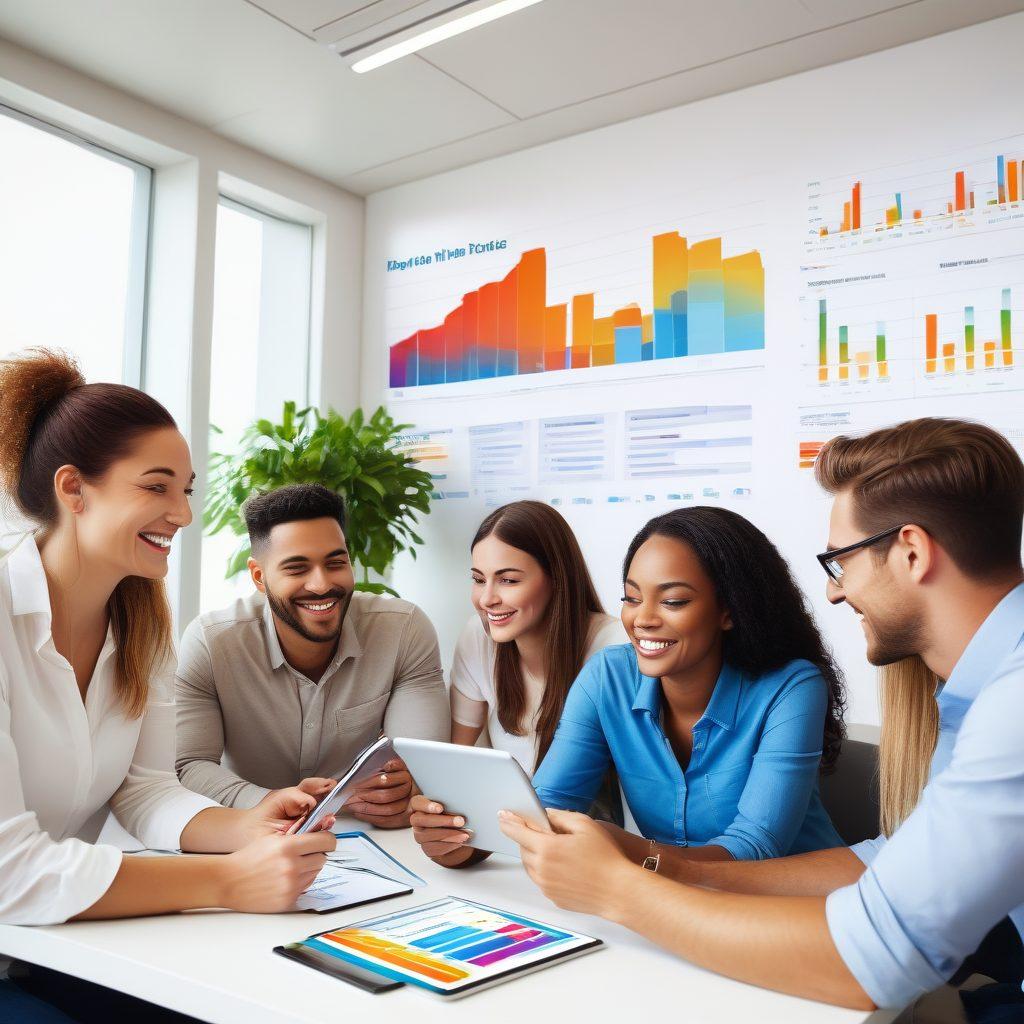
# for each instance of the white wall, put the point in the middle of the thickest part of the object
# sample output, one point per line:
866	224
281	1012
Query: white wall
192	167
740	165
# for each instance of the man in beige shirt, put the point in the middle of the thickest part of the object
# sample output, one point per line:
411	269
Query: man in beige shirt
286	686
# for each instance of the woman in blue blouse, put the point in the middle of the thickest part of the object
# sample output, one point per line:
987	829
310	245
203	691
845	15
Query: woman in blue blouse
721	711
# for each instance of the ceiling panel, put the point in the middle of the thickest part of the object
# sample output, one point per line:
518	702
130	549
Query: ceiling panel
578	49
206	61
309	15
250	70
344	126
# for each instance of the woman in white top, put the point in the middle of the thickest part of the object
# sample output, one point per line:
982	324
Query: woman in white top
538	619
86	672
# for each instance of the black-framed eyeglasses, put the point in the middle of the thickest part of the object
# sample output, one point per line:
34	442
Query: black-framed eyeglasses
830	559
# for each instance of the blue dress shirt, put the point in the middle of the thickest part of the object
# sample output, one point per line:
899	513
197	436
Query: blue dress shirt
751	784
955	867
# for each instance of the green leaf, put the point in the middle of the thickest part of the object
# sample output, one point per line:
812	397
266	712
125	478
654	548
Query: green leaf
384	492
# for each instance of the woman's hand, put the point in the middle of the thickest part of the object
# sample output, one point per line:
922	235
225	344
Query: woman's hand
268	875
634	847
578	867
280	811
442	836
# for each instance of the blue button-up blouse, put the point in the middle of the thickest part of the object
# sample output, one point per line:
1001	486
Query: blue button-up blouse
751	784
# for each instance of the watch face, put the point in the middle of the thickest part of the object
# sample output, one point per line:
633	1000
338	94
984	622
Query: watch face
651	863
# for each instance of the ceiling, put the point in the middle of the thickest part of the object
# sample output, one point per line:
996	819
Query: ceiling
259	72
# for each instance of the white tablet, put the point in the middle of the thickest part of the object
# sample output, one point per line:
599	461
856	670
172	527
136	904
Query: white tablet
477	783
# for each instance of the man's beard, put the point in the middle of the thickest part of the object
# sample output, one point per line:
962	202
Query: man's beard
283	611
897	641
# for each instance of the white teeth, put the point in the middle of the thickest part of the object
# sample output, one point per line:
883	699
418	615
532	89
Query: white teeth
654	645
156	538
499	617
318	607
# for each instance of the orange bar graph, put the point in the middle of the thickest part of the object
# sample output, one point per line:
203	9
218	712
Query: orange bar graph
949	356
961	191
604	342
931	340
487	329
809	453
855	208
863	361
582	330
1011	179
555	319
530	324
508	312
990	355
846	217
671	266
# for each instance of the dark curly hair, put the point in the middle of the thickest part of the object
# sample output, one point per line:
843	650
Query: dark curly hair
772	624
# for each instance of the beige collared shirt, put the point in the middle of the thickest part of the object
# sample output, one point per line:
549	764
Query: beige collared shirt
248	722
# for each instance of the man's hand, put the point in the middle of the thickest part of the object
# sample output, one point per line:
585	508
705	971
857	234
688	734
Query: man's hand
384	800
579	867
317	788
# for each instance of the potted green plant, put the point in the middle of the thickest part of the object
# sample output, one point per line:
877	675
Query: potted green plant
384	493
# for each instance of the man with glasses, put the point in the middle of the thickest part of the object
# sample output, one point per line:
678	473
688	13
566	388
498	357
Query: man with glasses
925	548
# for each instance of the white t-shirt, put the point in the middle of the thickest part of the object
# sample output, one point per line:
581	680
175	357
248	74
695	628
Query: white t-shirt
472	692
65	764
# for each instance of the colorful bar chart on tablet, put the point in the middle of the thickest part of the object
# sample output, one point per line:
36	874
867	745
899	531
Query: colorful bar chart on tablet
448	943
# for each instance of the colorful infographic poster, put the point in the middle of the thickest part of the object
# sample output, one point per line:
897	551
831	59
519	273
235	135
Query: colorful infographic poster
451	945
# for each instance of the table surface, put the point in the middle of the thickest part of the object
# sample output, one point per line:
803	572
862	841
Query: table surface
218	966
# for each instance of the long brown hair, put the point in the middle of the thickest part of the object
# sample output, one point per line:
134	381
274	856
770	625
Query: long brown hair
49	417
539	530
963	484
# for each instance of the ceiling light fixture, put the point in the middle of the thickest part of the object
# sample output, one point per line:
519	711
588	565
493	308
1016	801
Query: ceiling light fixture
446	31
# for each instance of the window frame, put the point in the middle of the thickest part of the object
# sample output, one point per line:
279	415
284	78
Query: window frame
251	210
134	340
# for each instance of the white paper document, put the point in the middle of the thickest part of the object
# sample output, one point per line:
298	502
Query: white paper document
358	871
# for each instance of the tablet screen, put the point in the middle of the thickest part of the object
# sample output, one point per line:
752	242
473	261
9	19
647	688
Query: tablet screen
450	945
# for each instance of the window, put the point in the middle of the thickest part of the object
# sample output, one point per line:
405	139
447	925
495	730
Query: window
73	238
260	355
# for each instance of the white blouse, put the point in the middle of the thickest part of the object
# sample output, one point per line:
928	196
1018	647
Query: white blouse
64	763
473	697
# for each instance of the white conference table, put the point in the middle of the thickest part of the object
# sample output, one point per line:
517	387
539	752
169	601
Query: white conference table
218	966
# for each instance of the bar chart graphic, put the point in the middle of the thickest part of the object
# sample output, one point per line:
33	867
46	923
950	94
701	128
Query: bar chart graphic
444	454
974	189
921	334
834	357
701	303
447	942
964	351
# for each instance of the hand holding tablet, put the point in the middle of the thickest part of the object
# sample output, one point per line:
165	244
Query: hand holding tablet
465	788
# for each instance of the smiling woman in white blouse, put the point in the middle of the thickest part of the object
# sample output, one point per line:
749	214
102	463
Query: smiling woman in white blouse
86	669
537	619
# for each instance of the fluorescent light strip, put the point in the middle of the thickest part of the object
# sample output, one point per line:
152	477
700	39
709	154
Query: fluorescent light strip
436	35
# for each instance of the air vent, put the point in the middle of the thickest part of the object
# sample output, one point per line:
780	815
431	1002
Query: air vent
387	22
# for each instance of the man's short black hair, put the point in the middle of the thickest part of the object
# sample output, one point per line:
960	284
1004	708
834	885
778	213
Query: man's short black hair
290	504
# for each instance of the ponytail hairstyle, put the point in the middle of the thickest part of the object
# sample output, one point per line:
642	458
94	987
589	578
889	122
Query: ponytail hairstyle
771	623
539	530
49	417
